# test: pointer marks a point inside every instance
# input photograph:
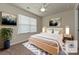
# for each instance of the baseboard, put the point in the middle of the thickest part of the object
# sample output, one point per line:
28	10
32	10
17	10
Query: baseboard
14	43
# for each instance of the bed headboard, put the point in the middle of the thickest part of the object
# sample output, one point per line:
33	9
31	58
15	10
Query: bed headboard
55	30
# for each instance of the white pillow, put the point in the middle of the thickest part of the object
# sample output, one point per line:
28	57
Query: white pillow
56	32
49	31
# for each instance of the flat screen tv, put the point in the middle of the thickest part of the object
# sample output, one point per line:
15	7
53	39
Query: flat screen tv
8	19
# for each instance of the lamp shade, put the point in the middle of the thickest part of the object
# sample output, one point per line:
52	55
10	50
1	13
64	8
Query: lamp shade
67	30
44	29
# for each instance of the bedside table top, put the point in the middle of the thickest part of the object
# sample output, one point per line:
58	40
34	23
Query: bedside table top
68	36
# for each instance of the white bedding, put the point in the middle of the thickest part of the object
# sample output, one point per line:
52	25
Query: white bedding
50	37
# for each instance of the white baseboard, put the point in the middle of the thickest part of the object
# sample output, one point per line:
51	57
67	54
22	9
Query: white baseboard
13	43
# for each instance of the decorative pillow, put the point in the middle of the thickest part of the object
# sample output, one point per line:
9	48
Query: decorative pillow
58	30
55	30
50	31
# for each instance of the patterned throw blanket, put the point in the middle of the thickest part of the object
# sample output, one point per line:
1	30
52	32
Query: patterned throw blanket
34	49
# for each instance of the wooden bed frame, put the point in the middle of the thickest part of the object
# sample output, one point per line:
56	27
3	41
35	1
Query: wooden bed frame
50	47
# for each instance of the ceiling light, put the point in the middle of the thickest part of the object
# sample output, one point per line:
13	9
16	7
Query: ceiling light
42	9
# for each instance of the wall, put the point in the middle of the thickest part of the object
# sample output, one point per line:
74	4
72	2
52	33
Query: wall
67	19
14	10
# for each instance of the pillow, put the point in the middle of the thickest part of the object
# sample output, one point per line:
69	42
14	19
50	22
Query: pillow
56	32
50	30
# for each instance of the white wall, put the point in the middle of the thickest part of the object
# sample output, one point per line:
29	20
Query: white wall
67	19
14	10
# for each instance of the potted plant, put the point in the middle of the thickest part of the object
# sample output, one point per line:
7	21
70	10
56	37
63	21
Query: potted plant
6	35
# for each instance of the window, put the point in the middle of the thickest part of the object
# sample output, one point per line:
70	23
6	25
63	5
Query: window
26	24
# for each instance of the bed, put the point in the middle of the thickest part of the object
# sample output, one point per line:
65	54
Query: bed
47	41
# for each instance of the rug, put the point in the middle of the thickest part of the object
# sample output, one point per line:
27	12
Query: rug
34	49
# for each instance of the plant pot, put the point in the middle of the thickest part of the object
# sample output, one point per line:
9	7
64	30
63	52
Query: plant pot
1	44
6	44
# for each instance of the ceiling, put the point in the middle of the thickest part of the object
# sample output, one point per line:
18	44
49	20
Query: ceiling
52	8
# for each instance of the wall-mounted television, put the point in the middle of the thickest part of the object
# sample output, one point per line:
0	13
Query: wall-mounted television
8	19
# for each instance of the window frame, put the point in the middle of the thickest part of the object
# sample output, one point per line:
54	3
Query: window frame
29	24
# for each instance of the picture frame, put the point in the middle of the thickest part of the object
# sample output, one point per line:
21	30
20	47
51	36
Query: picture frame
8	19
56	22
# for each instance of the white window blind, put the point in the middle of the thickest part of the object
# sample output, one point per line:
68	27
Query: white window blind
26	24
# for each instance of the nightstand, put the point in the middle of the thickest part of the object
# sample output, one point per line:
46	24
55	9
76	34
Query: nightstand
67	37
71	46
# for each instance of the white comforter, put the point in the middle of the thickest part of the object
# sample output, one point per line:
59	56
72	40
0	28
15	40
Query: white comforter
50	37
